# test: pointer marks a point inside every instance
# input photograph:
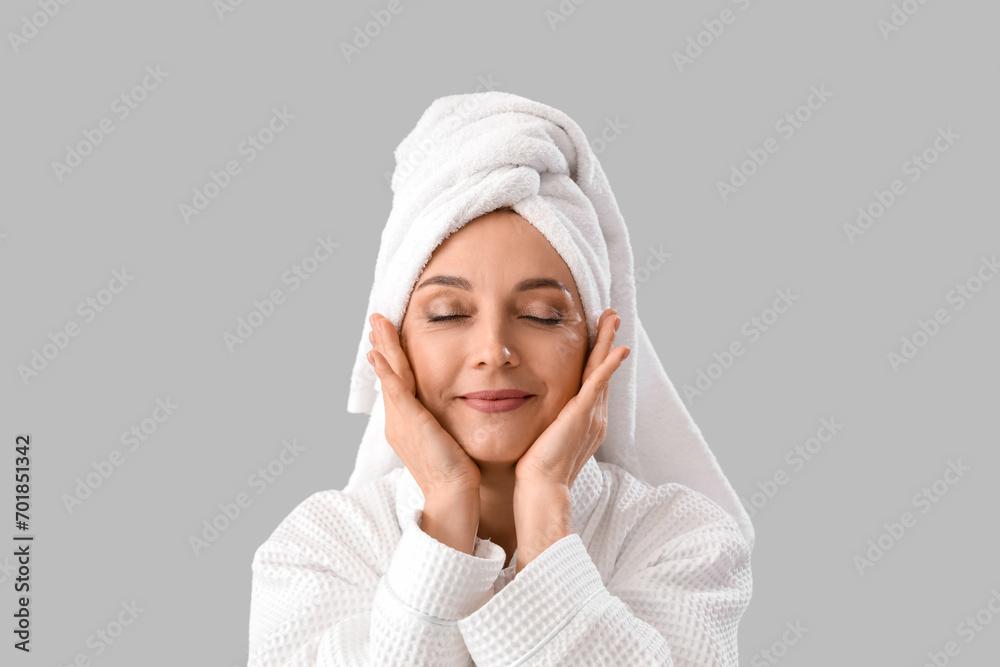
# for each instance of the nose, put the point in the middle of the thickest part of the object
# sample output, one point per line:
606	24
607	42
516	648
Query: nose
490	343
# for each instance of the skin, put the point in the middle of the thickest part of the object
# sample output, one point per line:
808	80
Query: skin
496	344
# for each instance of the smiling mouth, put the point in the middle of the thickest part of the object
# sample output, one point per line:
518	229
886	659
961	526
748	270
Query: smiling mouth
493	394
496	404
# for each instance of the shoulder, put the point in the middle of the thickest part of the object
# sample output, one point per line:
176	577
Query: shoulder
332	525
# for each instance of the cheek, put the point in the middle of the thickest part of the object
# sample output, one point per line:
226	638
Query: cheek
431	364
571	346
563	363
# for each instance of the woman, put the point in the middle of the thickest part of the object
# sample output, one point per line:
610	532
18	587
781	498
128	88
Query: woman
522	495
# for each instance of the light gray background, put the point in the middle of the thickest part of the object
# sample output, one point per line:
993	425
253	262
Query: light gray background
325	175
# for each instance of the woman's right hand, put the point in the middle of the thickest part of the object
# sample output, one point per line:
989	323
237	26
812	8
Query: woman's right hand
441	468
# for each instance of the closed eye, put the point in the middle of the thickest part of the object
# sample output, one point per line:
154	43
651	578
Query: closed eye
444	318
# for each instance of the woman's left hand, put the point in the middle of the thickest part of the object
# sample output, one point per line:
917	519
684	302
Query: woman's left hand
544	475
560	452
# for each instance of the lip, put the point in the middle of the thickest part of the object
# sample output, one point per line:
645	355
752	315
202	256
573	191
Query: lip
497	405
496	394
496	400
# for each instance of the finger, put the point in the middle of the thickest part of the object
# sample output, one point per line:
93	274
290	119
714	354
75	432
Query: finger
596	388
387	342
601	345
393	388
605	339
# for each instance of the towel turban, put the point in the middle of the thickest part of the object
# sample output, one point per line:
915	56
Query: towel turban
471	154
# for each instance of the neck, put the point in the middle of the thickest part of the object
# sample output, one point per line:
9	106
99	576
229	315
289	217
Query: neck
496	496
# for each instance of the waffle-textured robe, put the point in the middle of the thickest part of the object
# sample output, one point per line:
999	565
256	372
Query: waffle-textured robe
650	576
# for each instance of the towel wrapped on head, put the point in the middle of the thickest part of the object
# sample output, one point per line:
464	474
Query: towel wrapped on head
471	154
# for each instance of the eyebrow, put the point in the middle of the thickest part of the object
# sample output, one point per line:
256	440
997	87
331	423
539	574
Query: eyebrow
523	286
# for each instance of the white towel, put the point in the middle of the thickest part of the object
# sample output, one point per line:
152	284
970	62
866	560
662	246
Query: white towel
470	154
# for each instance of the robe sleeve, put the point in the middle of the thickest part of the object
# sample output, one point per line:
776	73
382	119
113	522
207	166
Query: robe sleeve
680	585
318	597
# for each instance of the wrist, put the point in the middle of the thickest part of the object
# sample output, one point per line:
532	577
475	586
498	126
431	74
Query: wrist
536	494
452	520
543	515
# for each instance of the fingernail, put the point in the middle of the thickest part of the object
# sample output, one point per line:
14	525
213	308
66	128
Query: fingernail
618	322
627	352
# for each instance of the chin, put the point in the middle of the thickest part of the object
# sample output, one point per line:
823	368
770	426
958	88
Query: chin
496	445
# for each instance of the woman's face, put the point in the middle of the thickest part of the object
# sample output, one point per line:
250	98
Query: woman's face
473	324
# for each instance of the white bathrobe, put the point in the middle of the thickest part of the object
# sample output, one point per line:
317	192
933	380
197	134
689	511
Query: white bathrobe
650	576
